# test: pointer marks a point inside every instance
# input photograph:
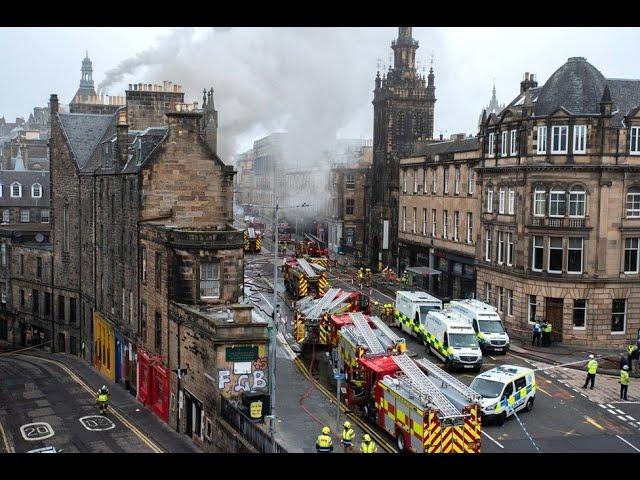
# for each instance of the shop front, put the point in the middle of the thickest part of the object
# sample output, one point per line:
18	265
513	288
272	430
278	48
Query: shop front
153	384
104	344
457	277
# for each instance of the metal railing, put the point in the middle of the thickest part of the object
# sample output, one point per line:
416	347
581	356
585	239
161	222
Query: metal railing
558	222
248	429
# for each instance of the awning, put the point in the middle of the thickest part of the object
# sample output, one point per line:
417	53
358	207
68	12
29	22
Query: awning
424	271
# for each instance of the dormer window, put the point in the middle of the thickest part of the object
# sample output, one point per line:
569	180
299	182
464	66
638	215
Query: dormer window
559	139
36	190
579	139
16	190
634	141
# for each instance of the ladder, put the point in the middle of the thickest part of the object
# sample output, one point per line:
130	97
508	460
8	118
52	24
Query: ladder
308	269
469	394
316	309
339	300
390	334
426	387
373	344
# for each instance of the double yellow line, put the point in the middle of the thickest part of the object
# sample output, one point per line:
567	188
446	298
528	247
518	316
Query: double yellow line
146	440
352	416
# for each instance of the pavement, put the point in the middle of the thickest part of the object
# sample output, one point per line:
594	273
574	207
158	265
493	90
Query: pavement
49	400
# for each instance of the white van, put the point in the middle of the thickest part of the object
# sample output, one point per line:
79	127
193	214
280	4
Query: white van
504	389
450	337
412	309
485	320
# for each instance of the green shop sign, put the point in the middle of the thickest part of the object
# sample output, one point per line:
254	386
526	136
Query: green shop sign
241	354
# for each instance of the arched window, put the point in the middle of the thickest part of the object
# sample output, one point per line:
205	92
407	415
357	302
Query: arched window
539	202
577	201
557	203
16	190
36	190
633	202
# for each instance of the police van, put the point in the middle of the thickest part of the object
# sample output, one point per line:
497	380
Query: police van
412	309
486	322
505	389
450	337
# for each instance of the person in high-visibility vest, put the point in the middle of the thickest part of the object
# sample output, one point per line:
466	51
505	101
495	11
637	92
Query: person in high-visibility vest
547	331
324	444
347	437
624	382
368	445
592	368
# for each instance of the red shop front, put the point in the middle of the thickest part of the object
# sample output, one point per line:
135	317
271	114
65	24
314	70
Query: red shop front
153	384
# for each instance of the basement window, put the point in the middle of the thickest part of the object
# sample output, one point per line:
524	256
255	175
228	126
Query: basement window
210	280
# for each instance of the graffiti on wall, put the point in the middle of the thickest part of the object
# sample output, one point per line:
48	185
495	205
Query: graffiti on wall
243	376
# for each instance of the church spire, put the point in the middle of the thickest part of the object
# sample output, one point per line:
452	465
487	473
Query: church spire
86	88
404	50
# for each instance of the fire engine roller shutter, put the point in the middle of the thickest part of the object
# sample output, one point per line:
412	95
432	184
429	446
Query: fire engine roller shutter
433	438
416	430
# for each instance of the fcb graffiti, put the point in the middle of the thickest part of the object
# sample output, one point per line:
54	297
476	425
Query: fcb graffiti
243	377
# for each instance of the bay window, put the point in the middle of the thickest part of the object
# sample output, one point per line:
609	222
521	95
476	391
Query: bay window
559	138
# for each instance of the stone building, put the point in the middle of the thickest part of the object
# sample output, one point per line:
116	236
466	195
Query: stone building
560	207
439	215
24	197
403	112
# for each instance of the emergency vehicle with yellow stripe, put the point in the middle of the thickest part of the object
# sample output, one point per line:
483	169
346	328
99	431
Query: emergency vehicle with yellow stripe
486	322
303	278
505	389
312	317
411	311
449	337
252	240
427	410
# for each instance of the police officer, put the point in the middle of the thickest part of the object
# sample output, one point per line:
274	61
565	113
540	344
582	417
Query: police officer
368	445
347	437
324	444
624	382
592	367
537	331
547	331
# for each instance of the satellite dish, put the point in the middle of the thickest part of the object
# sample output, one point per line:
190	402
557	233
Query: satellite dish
39	238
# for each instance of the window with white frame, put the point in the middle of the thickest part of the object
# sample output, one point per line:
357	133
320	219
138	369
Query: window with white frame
512	201
501	198
557	203
574	255
456	225
491	145
25	215
434	220
487	292
577	201
415	219
487	245
351	181
446	180
424	180
36	190
470	180
579	139
404	182
509	236
513	150
539	203
510	303
542	140
469	227
631	255
579	313
504	144
555	255
559	138
456	187
6	217
532	304
434	181
404	219
424	221
210	280
16	190
445	224
537	253
500	255
633	202
415	181
44	215
618	314
500	299
634	141
489	199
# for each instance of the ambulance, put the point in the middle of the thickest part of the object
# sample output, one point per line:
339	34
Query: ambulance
486	322
412	309
505	389
449	336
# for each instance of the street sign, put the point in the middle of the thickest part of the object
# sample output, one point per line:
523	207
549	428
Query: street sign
339	376
241	354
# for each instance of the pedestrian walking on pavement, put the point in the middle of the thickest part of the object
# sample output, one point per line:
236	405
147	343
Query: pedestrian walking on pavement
368	445
537	332
547	330
347	438
624	382
592	367
324	444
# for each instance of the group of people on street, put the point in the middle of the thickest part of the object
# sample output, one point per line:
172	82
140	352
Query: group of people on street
592	368
542	331
324	443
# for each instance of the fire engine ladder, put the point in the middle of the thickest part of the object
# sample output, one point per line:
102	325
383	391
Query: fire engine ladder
338	301
390	334
316	309
308	269
421	382
449	380
373	344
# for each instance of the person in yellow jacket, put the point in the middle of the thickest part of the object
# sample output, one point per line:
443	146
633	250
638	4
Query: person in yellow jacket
624	382
368	445
592	368
324	444
347	437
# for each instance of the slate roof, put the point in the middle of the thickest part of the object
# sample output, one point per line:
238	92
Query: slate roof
84	131
625	95
451	146
26	179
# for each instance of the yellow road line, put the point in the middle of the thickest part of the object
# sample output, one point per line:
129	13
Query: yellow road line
594	423
5	440
146	440
543	390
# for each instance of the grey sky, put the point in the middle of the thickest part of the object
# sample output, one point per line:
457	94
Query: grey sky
315	82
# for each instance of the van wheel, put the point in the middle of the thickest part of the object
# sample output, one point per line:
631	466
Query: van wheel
529	405
400	441
500	419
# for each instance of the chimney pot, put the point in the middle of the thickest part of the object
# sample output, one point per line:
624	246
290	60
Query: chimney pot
129	86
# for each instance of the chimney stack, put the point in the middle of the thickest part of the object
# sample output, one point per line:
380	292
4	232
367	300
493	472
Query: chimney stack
122	135
528	82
